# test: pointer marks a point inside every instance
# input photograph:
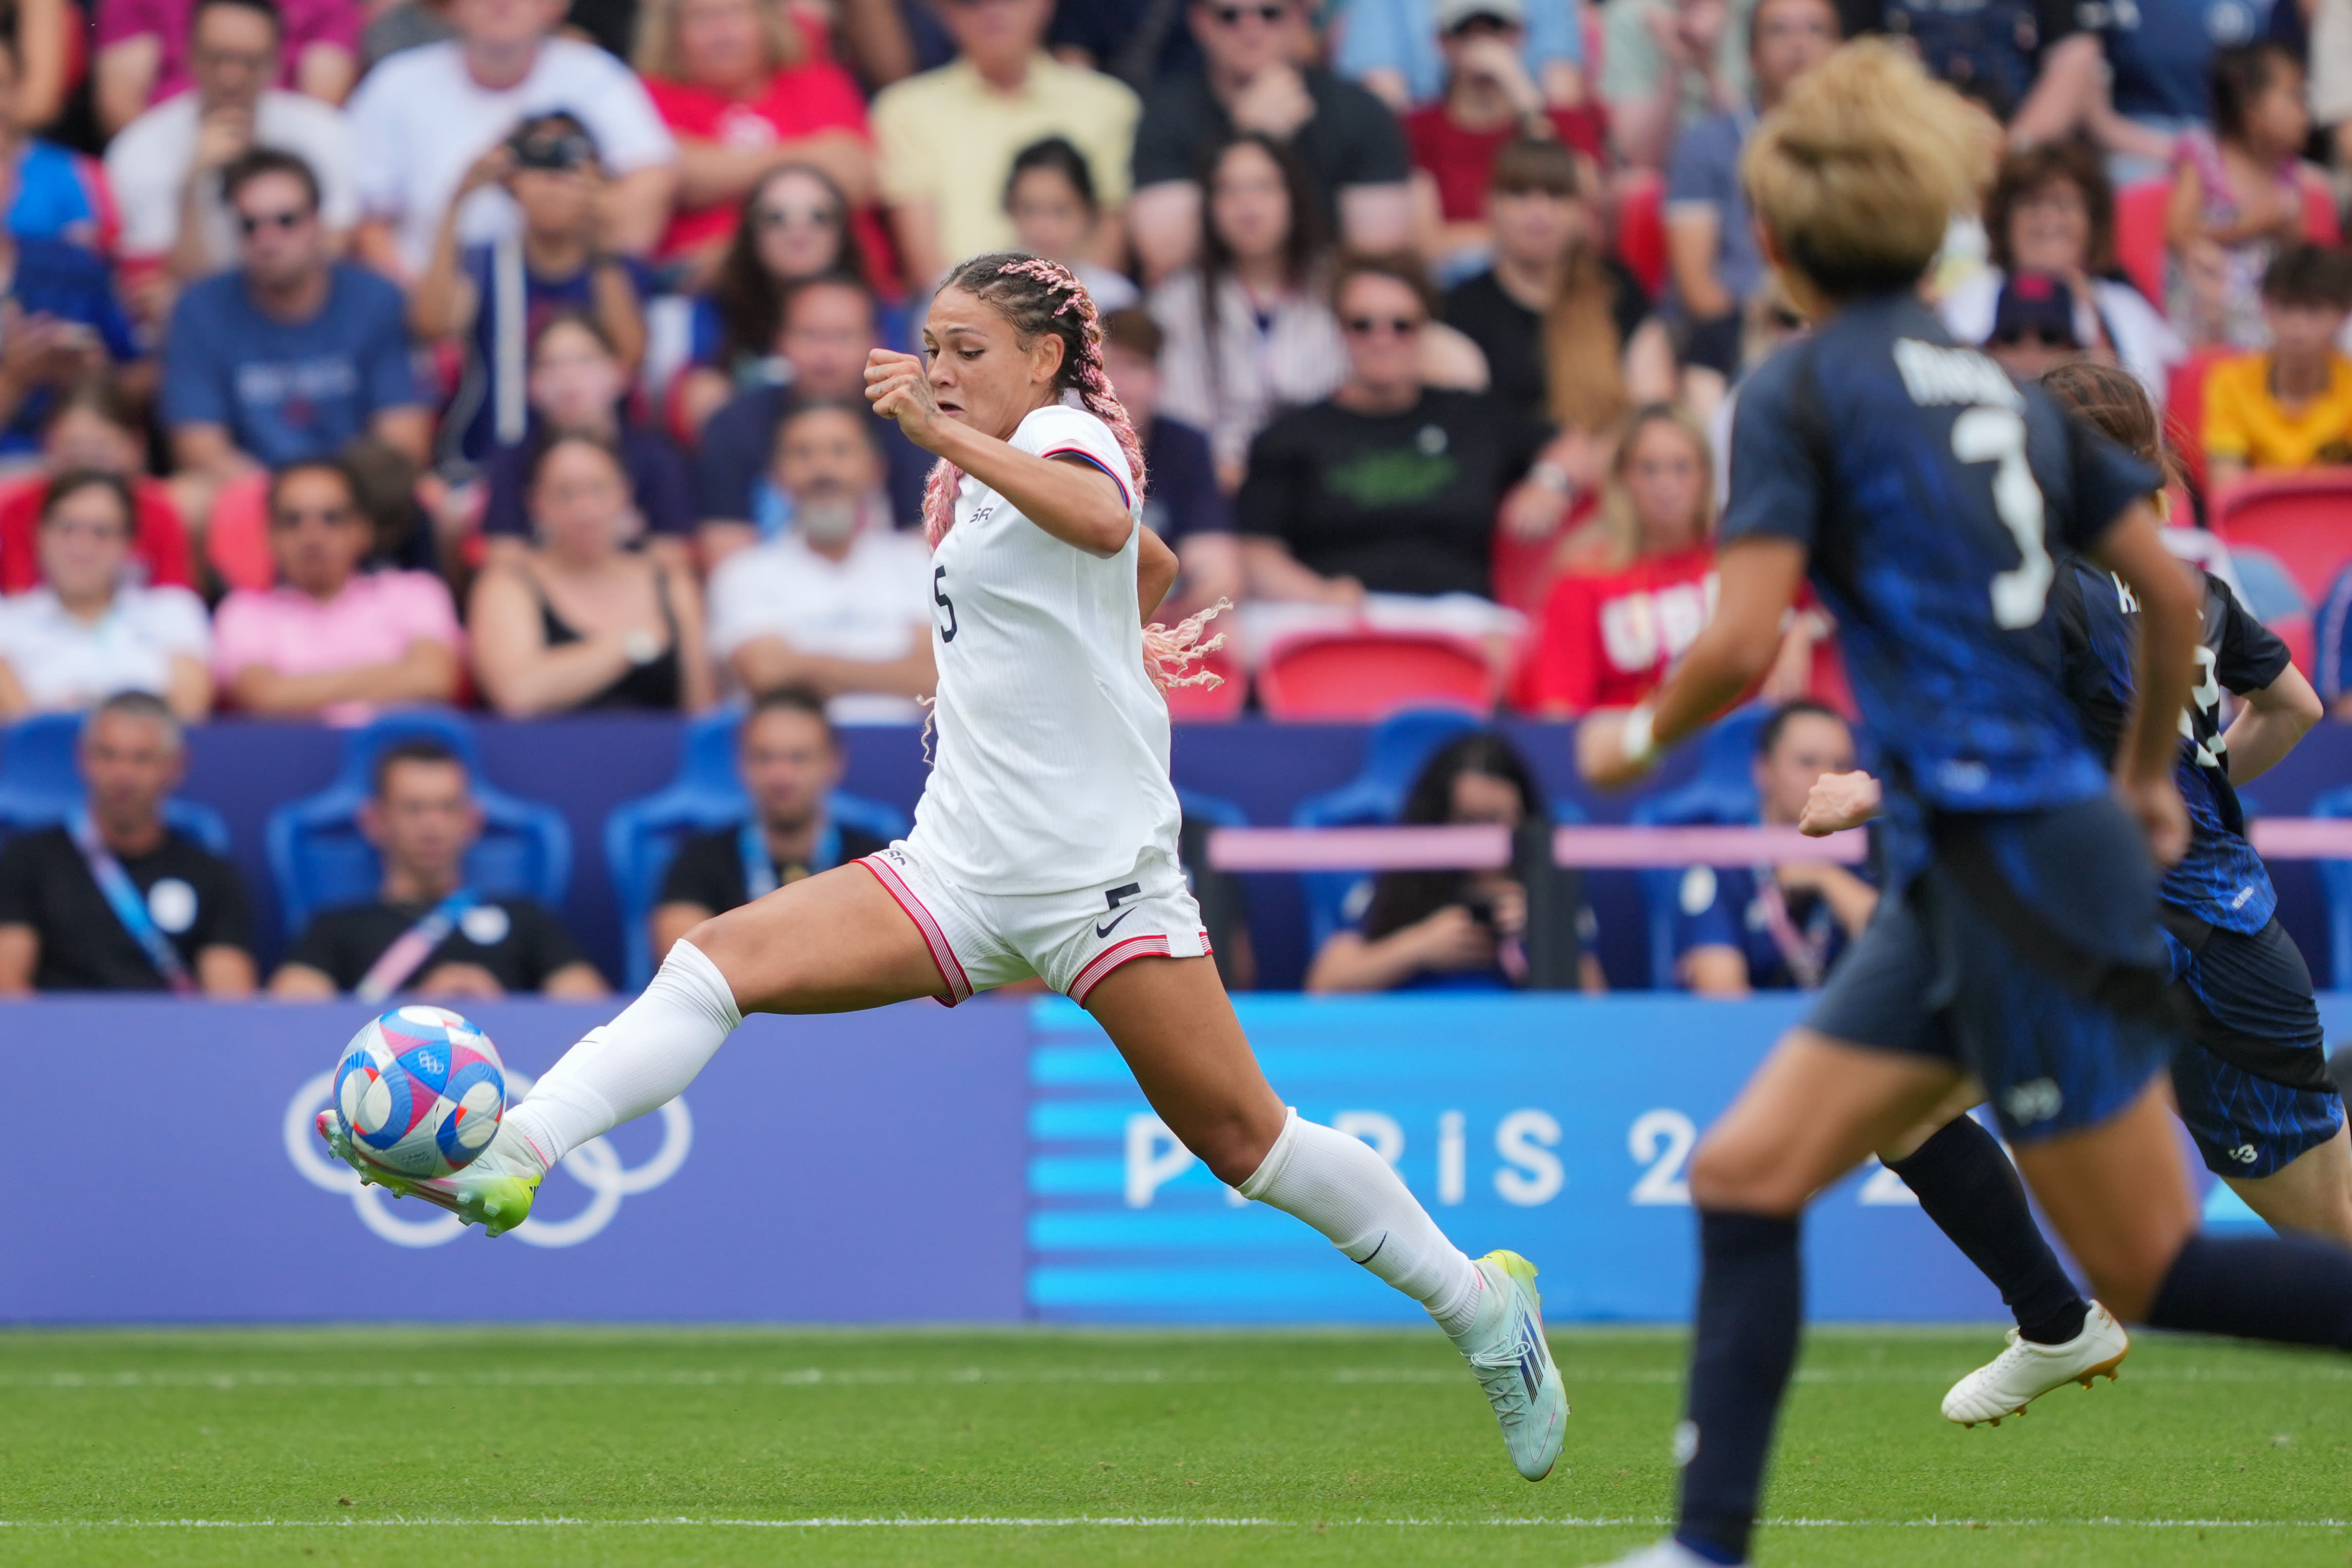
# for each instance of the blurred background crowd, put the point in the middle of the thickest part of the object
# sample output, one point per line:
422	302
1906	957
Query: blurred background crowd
364	355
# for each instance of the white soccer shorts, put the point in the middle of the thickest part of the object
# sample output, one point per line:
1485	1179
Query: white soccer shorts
981	941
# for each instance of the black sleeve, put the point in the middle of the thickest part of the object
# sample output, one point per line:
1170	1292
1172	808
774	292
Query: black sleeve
2057	21
543	944
20	890
1524	438
1169	134
327	944
226	919
2248	656
705	873
1264	505
1371	139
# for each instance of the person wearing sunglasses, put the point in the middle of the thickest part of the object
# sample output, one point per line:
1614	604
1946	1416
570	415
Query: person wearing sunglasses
1250	80
291	355
948	137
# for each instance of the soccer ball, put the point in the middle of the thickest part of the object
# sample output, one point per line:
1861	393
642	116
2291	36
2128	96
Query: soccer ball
422	1091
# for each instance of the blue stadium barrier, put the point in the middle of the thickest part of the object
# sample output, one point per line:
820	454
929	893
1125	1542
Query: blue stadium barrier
642	835
40	783
317	857
2335	882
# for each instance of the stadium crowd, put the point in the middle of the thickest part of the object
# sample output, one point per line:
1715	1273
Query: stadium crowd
365	353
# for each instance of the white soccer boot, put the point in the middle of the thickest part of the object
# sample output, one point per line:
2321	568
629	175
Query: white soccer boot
494	1191
2023	1373
1667	1553
1506	1347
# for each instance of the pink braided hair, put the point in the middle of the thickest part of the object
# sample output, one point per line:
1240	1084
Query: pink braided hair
1024	289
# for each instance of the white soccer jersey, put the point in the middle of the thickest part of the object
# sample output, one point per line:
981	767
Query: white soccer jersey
1052	753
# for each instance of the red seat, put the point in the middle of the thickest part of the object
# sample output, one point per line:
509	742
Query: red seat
1364	675
2139	234
1207	704
1642	229
2304	520
2321	223
2297	632
2184	412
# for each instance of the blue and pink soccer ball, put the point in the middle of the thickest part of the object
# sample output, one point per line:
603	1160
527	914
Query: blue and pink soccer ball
422	1089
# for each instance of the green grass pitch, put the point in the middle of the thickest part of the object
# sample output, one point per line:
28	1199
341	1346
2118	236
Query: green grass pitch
742	1446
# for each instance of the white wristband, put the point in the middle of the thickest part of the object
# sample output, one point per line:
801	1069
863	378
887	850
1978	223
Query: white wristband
1636	738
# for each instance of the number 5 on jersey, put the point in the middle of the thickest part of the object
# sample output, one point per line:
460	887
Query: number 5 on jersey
1987	435
939	597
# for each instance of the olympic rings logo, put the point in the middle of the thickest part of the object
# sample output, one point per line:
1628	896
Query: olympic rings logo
595	1165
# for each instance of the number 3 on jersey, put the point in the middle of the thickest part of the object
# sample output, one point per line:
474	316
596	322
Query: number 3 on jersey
1987	435
939	597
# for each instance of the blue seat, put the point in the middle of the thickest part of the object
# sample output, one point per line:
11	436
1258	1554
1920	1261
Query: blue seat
1702	802
40	784
1393	757
319	860
642	835
2335	882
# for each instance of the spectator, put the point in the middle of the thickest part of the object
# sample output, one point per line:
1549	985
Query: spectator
948	137
1491	98
577	622
788	756
2029	65
330	641
1050	197
1563	323
2331	75
423	117
86	632
292	354
165	166
1183	504
746	92
50	57
2159	58
1775	927
1346	141
402	25
2237	196
1665	66
2051	210
147	54
1400	50
556	264
116	898
795	227
1710	239
92	426
2033	326
1607	638
1249	330
61	193
1447	931
577	387
1391	489
838	605
59	324
422	821
828	328
2289	406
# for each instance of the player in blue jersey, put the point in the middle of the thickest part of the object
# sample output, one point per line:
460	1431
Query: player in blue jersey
2016	938
2253	1083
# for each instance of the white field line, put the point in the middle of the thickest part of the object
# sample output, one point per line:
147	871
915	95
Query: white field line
863	1377
1145	1522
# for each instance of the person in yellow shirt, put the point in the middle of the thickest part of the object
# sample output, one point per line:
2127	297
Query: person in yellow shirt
947	138
2289	407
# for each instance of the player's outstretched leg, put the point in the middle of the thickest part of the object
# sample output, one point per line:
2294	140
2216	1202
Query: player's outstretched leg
1172	1020
1967	1186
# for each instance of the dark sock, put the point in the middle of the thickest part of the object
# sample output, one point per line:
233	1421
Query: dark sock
1970	1190
2288	1288
1750	1310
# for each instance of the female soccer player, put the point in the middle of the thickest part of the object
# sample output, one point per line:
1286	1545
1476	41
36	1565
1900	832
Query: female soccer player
2253	1083
2017	937
1045	843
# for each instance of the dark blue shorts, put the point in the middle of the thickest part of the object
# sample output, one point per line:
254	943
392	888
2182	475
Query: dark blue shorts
2253	1080
2028	953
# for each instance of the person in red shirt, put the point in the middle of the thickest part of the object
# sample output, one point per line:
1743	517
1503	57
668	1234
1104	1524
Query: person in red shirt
93	427
1489	98
746	91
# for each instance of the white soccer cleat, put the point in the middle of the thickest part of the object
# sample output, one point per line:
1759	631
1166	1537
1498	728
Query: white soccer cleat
1667	1553
494	1191
1506	1347
2025	1371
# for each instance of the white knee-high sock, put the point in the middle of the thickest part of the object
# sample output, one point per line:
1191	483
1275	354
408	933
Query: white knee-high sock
1341	1187
639	1062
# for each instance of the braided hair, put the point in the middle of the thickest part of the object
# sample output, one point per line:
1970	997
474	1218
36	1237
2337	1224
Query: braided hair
1036	295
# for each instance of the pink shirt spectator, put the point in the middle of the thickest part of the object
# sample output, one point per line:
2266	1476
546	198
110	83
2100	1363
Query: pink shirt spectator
372	621
305	22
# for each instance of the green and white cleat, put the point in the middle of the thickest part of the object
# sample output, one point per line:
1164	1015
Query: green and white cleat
494	1192
1506	1347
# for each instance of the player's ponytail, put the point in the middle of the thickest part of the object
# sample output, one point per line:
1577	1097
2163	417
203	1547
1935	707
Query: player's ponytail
1037	295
